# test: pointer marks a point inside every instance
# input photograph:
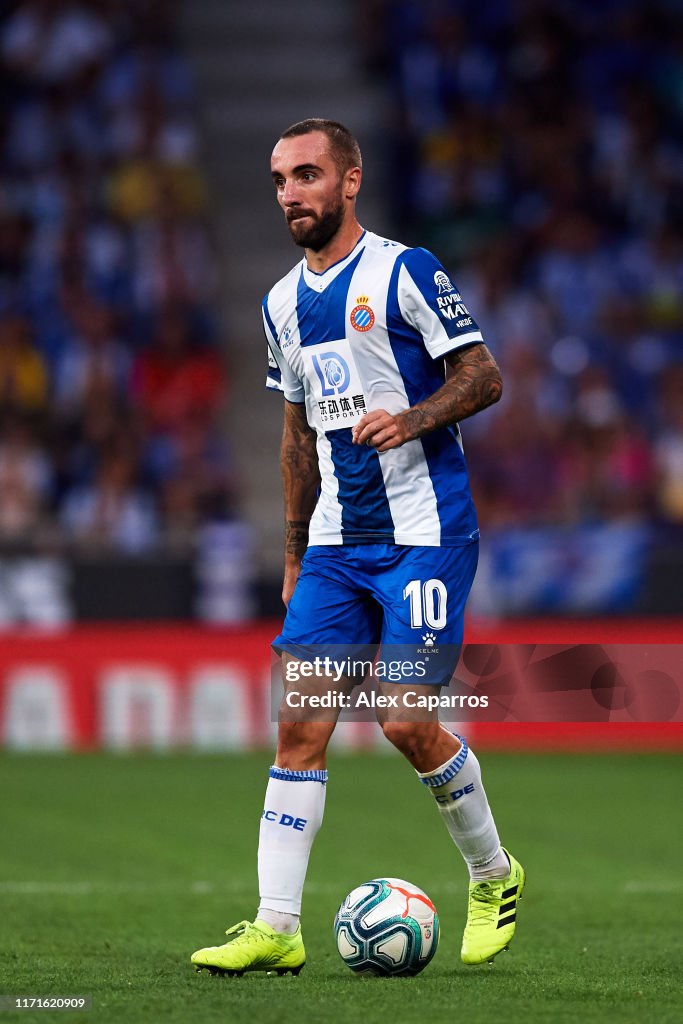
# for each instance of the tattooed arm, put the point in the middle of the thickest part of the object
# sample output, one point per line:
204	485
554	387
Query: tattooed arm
300	479
473	382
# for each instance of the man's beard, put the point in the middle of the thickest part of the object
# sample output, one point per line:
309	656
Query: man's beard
322	229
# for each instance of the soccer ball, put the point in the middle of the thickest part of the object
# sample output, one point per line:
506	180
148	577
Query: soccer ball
387	926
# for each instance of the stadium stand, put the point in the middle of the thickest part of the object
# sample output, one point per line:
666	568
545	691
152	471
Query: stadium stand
537	148
534	146
112	375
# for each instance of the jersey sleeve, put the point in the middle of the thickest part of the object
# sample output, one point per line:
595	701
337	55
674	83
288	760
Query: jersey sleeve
280	376
431	303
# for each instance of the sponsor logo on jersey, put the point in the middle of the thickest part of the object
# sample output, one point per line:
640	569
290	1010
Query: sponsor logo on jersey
443	282
333	373
362	316
452	307
336	385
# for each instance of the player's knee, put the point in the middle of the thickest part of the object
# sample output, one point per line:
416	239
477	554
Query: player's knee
414	739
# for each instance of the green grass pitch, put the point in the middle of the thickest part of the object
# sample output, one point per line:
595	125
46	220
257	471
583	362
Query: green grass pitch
114	869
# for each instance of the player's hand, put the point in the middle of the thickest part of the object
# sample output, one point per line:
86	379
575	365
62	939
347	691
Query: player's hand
292	570
380	430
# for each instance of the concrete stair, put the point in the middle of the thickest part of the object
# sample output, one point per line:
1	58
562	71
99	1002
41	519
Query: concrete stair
259	67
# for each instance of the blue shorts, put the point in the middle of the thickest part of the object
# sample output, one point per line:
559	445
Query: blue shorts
408	601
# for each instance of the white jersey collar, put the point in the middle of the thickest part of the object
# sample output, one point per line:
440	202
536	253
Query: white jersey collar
319	282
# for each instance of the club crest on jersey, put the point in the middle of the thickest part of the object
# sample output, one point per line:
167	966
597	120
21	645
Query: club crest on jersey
443	282
362	317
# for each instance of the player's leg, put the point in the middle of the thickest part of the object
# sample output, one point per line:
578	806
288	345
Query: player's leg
325	609
496	878
295	795
292	814
445	764
327	614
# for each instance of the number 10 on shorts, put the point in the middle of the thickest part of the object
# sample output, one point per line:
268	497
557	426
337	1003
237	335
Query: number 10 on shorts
427	603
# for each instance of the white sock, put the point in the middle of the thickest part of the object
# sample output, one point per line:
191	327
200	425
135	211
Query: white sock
292	815
459	793
286	924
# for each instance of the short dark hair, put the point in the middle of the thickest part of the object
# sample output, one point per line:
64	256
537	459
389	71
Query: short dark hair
343	147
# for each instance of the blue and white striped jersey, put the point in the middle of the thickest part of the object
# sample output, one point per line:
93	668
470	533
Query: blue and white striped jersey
370	332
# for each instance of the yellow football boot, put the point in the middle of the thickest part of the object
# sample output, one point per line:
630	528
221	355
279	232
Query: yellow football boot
253	947
492	915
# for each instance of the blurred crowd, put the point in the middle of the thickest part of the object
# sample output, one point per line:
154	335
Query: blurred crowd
536	147
538	150
112	385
